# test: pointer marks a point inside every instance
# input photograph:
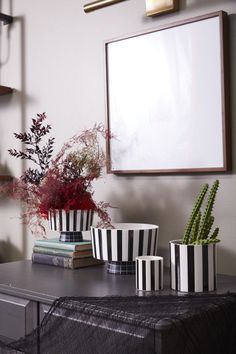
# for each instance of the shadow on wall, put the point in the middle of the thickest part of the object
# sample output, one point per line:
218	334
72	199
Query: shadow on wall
226	254
166	203
4	57
4	169
4	100
196	4
18	99
232	70
23	100
9	252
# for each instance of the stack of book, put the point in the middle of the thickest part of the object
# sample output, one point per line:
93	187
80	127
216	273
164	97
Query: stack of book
64	254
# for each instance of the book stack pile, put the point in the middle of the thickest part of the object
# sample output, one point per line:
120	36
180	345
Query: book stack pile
64	254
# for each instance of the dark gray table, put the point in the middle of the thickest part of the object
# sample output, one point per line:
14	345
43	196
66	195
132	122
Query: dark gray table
27	290
46	283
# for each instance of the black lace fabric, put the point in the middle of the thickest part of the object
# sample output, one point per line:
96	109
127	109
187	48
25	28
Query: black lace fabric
163	324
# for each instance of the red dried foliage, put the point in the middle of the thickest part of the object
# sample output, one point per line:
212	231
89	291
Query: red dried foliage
57	194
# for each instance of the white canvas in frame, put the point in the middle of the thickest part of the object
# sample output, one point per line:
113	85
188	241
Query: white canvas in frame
165	100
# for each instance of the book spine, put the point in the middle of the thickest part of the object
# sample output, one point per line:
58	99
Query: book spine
53	251
63	253
61	245
58	261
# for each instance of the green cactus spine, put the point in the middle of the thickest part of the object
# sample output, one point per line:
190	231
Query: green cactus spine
198	228
195	228
206	219
194	214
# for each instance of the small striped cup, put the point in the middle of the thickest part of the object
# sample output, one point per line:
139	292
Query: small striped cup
149	273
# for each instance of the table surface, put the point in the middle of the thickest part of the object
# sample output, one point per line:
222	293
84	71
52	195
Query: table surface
45	283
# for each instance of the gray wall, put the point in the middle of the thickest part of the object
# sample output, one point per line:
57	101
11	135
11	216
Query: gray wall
53	56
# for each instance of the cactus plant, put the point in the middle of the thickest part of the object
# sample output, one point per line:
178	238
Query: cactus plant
199	225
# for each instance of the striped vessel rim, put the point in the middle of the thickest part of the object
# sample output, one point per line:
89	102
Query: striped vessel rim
57	211
180	243
128	226
52	210
148	258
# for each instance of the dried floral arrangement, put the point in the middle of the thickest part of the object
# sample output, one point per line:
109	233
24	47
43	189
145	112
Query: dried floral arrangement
62	182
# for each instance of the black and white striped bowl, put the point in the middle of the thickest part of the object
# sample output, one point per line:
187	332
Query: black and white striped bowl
149	273
70	223
193	267
122	244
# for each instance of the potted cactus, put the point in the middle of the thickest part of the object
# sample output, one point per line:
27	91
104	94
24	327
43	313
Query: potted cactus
193	258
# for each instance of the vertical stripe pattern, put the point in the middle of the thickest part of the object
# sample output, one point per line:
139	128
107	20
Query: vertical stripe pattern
193	267
71	220
123	245
149	273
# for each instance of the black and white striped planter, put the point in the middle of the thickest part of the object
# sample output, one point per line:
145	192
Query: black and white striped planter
70	223
193	267
121	245
149	273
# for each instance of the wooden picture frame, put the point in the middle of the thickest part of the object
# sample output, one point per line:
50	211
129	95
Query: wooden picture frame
168	99
159	7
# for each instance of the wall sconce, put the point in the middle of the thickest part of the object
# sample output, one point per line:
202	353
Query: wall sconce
99	4
159	7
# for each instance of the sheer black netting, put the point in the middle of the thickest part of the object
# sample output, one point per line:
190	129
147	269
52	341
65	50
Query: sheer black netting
186	324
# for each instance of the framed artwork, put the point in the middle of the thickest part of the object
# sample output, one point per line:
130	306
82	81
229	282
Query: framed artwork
159	7
168	99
